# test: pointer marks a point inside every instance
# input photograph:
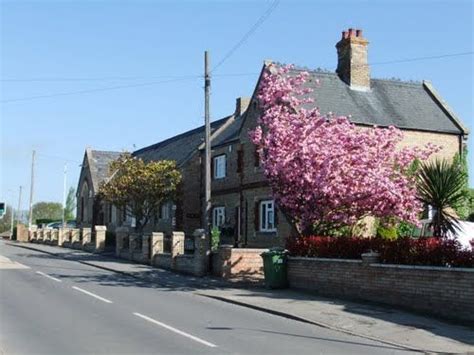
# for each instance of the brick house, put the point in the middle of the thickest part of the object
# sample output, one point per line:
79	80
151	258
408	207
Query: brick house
241	197
94	170
242	204
185	214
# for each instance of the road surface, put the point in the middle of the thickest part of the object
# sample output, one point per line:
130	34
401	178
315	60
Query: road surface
50	305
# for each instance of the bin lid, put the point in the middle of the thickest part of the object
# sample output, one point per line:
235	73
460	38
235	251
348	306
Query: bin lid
275	251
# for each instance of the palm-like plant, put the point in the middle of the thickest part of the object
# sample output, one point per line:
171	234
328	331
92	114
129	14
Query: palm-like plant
440	184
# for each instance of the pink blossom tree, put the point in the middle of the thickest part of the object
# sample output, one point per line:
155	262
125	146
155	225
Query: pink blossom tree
324	171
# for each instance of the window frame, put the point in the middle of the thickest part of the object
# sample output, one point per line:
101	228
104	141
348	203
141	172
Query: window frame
214	216
263	216
165	211
223	165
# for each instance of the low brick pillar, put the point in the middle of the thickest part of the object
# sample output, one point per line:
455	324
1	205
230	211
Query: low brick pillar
177	244
54	236
100	232
32	231
157	245
21	233
177	247
86	236
201	252
60	236
75	236
120	234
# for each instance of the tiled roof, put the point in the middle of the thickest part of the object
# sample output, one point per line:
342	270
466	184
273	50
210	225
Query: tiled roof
180	147
388	102
99	161
230	134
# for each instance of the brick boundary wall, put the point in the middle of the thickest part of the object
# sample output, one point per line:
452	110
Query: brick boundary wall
238	263
439	291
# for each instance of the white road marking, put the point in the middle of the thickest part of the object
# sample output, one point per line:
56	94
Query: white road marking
8	264
48	276
177	331
92	294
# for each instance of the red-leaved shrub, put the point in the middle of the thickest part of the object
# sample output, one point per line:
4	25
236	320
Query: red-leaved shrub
409	251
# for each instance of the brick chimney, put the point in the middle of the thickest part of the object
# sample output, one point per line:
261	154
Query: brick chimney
241	105
352	65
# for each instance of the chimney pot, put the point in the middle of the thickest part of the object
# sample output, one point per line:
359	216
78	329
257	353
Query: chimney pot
344	34
358	33
351	32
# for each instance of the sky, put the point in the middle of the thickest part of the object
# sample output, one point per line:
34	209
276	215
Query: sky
121	75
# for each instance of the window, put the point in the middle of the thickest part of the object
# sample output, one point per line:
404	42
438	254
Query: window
219	166
218	216
267	216
256	157
165	210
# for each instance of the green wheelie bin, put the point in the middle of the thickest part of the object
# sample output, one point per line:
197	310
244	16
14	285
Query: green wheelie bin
275	267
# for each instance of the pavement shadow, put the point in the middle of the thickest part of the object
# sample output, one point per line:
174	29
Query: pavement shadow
440	327
142	276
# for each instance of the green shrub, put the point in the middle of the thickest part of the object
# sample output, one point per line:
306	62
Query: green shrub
215	238
387	232
405	229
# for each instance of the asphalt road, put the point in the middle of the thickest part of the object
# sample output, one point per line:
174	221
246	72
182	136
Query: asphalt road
54	306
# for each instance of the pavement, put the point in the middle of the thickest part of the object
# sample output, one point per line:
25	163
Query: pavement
269	321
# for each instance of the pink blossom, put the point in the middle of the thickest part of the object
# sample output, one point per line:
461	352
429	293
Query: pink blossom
324	170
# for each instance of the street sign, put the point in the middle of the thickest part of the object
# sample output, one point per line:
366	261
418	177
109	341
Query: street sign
2	209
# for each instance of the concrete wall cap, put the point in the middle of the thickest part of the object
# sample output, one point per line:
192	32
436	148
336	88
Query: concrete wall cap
303	258
100	228
423	267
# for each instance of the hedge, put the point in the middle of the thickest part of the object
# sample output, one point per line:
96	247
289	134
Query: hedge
409	251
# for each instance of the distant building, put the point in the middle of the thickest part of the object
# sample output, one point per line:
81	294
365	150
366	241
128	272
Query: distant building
95	169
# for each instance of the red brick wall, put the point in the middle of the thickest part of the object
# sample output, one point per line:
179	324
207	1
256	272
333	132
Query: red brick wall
238	263
445	292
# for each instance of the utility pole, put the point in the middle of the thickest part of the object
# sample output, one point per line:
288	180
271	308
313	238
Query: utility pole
12	211
64	195
207	177
18	212
30	217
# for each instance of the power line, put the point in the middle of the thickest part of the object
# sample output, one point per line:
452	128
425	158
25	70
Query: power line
94	90
112	78
41	155
249	33
124	78
415	59
423	58
192	77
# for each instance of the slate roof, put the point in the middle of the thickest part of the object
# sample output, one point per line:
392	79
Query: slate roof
178	148
230	134
99	161
408	105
